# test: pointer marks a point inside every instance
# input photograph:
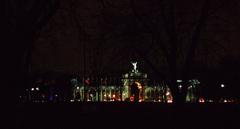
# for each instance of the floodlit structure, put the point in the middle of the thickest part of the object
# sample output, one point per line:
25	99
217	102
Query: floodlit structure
132	86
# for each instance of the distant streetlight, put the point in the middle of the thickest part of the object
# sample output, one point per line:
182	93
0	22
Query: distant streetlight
222	85
32	89
180	86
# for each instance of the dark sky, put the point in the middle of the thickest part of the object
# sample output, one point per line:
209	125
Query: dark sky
111	31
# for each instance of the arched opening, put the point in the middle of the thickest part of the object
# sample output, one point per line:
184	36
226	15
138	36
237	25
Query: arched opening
135	92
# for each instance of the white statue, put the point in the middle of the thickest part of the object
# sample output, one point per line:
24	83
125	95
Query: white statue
134	66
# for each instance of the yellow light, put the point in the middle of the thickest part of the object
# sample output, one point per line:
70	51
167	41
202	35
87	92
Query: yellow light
168	93
139	85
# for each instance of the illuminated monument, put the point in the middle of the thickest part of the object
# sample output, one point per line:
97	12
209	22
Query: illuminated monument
134	84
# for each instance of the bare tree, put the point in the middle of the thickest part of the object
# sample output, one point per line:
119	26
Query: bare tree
164	27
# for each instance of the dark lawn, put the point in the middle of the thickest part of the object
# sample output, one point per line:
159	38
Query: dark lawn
128	116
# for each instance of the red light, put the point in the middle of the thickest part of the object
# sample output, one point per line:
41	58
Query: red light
132	98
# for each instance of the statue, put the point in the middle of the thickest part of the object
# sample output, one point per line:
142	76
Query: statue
134	66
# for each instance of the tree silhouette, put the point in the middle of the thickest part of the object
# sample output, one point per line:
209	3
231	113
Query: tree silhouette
22	22
166	30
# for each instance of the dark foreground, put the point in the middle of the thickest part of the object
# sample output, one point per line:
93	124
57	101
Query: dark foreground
127	116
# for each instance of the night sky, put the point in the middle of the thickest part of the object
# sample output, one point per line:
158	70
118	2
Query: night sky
111	31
